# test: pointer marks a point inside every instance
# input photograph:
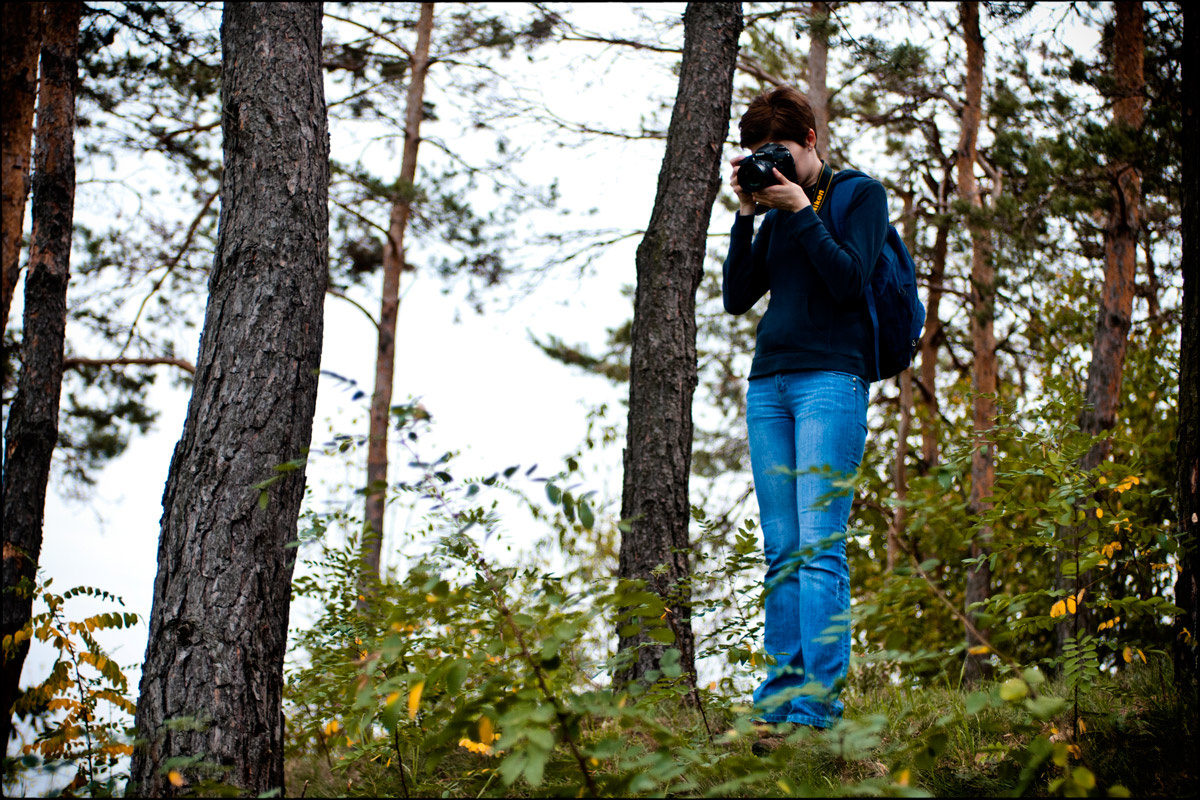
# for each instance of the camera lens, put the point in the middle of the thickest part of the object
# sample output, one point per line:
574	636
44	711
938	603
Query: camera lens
755	174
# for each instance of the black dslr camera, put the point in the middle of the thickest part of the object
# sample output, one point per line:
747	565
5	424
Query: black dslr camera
754	173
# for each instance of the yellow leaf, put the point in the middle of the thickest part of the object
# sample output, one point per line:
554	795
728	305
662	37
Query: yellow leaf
1143	655
1071	605
1074	750
176	779
979	650
1099	513
431	598
414	699
1127	654
1103	480
712	687
903	776
392	698
331	728
1058	609
1082	726
487	734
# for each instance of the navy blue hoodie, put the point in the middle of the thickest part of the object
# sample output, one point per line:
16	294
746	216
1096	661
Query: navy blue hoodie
817	316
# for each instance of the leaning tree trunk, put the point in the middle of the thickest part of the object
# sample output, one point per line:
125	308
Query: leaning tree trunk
20	40
33	417
1113	320
385	356
218	627
1187	587
662	378
983	339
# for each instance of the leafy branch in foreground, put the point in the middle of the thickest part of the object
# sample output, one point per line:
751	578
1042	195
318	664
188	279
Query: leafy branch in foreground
81	712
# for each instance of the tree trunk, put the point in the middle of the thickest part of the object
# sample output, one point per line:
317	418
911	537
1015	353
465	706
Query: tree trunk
904	415
1103	393
983	340
33	417
385	359
1120	238
818	62
658	450
20	40
932	339
1187	587
218	627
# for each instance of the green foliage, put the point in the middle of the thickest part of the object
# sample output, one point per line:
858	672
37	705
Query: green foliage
82	712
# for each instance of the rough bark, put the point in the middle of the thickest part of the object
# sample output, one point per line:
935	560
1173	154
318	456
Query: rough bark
658	450
33	417
20	42
385	358
983	339
818	62
1187	588
1114	317
218	625
1120	238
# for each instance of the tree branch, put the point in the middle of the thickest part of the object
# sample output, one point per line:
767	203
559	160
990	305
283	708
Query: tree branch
183	364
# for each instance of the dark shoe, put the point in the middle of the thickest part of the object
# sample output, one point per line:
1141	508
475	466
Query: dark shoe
767	743
770	737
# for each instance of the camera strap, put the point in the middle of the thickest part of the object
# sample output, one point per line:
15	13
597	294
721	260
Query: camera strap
822	186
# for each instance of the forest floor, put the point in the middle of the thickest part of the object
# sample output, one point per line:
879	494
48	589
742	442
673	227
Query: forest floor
1135	736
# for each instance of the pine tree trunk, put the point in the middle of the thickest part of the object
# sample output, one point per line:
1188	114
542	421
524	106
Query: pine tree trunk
658	451
1187	585
20	43
983	340
1120	237
33	417
218	626
1113	320
385	357
931	341
904	416
818	62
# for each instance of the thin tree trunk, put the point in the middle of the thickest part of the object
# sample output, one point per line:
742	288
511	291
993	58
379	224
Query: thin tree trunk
658	450
818	62
983	340
932	338
385	358
1120	238
1187	585
20	43
904	381
1113	320
33	417
218	626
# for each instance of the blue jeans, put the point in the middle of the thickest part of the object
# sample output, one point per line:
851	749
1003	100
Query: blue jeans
807	431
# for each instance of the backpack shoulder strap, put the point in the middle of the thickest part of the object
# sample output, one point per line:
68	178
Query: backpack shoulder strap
839	203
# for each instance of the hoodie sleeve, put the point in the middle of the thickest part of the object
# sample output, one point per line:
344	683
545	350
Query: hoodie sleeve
844	267
745	270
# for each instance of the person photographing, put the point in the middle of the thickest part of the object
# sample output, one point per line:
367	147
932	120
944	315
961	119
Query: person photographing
806	399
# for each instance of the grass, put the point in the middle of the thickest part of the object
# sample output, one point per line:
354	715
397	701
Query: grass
1137	733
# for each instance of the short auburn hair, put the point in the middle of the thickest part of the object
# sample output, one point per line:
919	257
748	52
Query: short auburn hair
781	113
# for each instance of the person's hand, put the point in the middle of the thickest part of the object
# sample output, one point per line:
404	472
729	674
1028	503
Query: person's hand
784	195
745	199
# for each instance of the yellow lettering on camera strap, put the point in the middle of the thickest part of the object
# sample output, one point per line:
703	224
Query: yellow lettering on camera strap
822	186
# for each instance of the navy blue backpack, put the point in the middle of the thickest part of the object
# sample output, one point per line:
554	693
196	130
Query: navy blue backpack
897	314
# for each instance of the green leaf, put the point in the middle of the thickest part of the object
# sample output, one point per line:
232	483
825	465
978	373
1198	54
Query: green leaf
664	635
586	518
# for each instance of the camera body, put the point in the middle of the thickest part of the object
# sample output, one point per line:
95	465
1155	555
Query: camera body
755	172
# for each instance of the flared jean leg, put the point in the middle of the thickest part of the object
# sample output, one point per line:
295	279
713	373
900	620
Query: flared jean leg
807	432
